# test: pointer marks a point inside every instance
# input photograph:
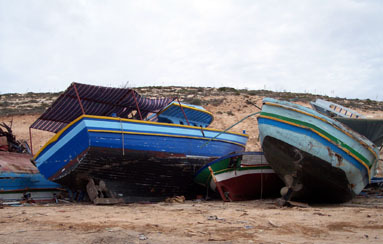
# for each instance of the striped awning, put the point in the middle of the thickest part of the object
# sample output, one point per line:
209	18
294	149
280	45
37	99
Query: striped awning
96	100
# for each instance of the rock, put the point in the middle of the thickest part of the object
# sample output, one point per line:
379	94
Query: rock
273	224
142	237
212	217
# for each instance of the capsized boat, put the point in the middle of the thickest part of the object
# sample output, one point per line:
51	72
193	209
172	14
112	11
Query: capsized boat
240	176
20	180
106	135
319	158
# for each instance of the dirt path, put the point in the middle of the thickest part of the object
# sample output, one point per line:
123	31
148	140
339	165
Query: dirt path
193	222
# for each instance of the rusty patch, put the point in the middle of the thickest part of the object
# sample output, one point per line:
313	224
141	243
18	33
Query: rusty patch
330	152
340	159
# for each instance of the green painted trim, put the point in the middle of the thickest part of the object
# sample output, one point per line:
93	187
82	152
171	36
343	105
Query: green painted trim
204	177
333	139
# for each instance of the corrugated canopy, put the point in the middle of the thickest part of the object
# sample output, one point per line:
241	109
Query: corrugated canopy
96	100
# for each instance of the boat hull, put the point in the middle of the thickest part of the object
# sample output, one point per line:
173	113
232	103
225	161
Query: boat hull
138	161
330	161
20	180
321	181
244	181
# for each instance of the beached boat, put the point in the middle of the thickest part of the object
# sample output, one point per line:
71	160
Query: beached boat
20	180
187	115
368	127
240	176
318	158
334	110
103	134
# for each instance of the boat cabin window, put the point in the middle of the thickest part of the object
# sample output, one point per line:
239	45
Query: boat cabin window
181	122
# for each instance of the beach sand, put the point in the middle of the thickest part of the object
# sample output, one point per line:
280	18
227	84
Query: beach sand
257	221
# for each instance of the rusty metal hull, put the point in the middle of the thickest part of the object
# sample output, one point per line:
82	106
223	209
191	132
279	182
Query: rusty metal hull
136	175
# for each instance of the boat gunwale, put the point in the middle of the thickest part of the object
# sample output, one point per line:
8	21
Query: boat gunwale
188	107
328	121
166	135
226	157
63	130
368	168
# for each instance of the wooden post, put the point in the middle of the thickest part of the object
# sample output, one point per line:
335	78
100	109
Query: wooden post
30	139
138	108
78	98
218	186
183	111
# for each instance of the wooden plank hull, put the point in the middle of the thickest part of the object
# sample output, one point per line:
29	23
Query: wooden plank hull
20	180
241	176
332	162
139	161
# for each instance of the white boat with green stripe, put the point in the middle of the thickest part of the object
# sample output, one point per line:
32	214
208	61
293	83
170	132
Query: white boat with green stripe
320	159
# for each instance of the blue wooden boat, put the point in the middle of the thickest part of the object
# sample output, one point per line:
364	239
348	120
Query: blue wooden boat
318	158
20	180
173	114
105	134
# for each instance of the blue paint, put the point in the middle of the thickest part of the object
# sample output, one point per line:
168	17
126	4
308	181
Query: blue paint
62	153
317	138
20	182
77	139
173	114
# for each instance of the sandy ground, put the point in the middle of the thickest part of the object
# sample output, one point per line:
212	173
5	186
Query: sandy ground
258	221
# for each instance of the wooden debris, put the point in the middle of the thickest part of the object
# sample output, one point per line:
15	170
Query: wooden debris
8	141
177	199
100	194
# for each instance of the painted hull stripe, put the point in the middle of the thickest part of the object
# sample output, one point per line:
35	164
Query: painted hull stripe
324	137
242	169
323	134
62	131
324	120
158	123
158	134
231	174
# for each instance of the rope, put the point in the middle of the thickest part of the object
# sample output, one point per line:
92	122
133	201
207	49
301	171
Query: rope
248	116
122	138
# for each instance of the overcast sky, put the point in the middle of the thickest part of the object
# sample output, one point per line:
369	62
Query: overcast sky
332	47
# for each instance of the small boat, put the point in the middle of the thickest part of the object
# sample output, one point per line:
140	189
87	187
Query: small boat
368	127
174	114
20	180
240	176
318	158
140	149
334	110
